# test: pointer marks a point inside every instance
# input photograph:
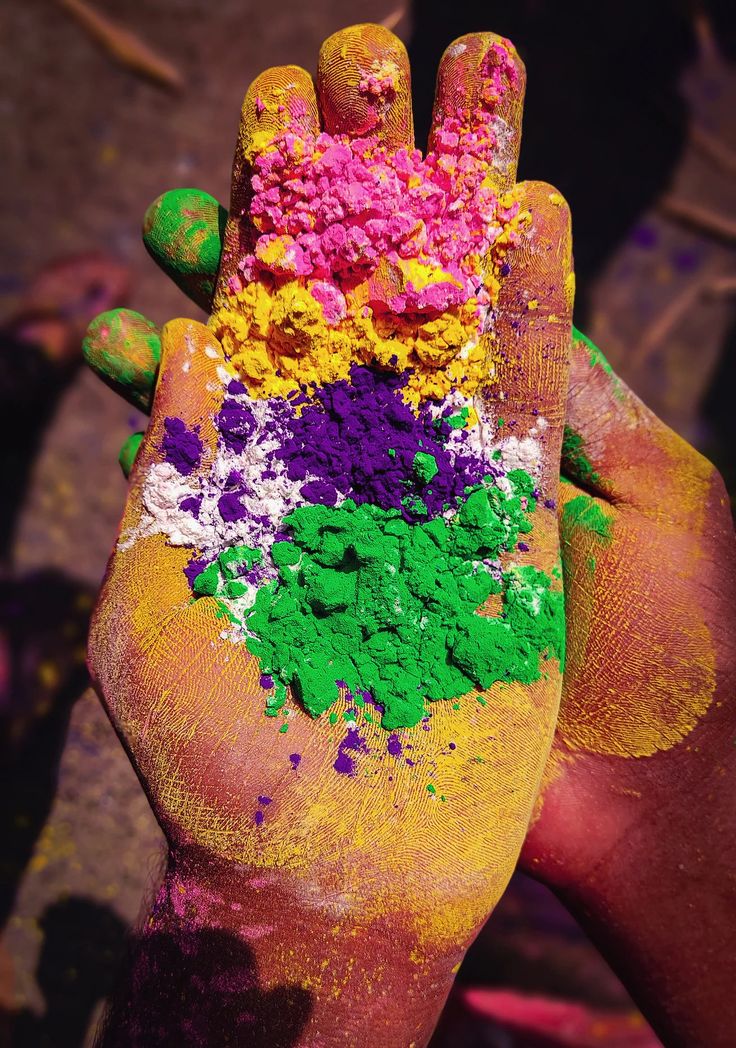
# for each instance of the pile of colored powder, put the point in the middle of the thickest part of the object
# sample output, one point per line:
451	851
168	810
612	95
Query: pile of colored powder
365	598
182	447
360	440
371	254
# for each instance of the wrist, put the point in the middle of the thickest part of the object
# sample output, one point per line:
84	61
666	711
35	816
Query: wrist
259	958
658	896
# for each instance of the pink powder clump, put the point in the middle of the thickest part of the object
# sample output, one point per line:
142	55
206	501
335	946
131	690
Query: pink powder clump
341	206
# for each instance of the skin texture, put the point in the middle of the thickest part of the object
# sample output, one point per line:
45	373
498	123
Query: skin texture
317	922
635	825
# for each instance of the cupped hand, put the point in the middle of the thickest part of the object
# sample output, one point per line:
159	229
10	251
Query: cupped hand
330	635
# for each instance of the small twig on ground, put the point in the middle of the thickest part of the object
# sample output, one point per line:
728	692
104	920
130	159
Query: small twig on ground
392	20
124	45
714	149
722	287
701	219
670	316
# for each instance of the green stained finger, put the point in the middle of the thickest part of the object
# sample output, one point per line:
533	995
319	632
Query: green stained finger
183	232
128	452
124	349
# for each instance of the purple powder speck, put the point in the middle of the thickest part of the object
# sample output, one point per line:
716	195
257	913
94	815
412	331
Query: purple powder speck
265	800
258	818
194	568
522	546
191	504
644	236
550	504
319	492
230	507
452	745
344	764
236	423
266	681
296	759
394	746
181	447
686	261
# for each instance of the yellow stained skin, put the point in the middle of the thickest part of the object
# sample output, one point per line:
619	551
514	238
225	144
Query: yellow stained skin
377	847
648	693
647	707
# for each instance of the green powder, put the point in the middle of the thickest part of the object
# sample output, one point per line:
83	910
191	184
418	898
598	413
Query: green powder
366	598
425	466
586	513
598	360
458	421
574	458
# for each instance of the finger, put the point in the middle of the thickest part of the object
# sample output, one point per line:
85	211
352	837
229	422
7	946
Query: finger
479	103
177	450
530	343
183	232
280	100
128	453
617	448
124	349
364	85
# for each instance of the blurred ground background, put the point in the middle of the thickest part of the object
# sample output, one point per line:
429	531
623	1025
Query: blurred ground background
630	113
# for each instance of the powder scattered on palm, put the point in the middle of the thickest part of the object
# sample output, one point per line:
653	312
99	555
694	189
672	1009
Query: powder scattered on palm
368	599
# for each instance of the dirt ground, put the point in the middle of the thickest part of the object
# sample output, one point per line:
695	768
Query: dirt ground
88	144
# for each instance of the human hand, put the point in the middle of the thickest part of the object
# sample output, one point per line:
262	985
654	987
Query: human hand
396	294
635	825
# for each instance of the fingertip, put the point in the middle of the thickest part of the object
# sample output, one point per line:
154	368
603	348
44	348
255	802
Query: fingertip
190	384
128	453
123	348
183	231
364	85
481	81
279	99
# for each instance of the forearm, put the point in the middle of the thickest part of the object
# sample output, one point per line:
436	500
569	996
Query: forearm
230	958
661	906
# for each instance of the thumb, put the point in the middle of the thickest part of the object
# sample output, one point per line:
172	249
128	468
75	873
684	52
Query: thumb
145	583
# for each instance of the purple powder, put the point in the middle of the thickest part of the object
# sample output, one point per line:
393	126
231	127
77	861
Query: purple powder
394	746
181	446
360	440
522	546
265	800
258	818
644	236
319	492
296	759
344	764
230	507
266	681
235	387
686	261
452	745
236	424
194	568
191	504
